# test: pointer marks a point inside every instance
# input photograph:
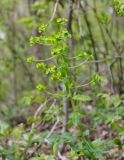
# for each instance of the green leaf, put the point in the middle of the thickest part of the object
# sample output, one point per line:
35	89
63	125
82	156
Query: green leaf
41	66
42	28
118	142
40	87
119	7
82	98
55	149
31	60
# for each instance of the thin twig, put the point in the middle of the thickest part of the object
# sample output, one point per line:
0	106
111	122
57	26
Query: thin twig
54	11
84	62
61	157
97	61
78	65
37	112
90	32
52	130
44	60
83	85
79	19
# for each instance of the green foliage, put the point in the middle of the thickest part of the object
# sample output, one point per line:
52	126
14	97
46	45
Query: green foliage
41	66
82	98
104	18
31	59
119	7
42	28
40	87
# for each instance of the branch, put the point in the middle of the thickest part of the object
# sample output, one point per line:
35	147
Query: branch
79	18
52	130
54	11
44	60
70	18
90	32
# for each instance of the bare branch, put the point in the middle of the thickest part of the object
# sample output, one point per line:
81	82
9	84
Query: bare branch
54	11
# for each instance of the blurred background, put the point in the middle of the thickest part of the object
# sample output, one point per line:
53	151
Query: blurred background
95	26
